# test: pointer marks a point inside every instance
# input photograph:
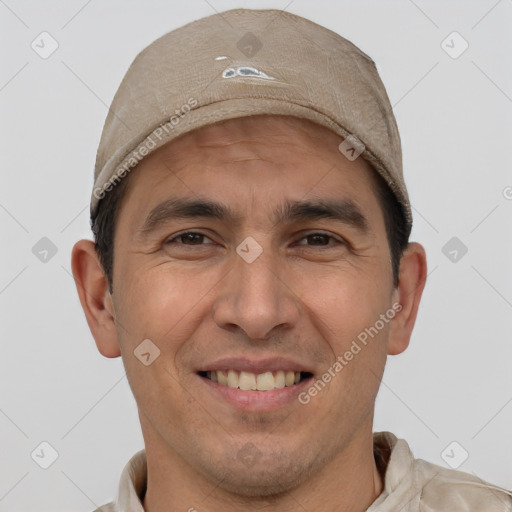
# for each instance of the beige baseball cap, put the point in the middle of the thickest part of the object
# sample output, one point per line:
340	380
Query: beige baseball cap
245	62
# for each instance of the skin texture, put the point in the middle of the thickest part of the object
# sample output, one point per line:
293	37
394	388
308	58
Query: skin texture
305	298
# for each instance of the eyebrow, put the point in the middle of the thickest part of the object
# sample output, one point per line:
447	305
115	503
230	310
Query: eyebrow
341	210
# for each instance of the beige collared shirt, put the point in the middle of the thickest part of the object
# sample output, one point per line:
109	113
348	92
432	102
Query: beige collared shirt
410	485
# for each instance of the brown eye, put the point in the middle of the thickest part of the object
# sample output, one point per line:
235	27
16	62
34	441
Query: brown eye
318	239
188	238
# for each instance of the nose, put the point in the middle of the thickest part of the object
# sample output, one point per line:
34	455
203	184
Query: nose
257	298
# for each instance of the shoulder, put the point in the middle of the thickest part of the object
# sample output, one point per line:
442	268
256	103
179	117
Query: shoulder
423	486
109	507
448	489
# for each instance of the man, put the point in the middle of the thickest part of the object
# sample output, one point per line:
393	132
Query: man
252	267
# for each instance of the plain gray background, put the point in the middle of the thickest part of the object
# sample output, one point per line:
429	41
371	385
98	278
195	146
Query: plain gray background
454	383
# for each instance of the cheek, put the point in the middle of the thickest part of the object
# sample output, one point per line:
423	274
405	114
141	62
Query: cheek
165	306
346	310
163	303
345	302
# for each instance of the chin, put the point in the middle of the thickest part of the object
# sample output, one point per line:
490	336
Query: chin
269	477
264	484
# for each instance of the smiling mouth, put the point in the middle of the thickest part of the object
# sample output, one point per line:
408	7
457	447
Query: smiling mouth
247	381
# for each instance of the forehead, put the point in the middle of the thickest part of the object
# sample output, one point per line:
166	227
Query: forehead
261	156
254	129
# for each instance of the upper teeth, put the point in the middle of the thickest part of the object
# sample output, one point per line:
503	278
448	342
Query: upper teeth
251	381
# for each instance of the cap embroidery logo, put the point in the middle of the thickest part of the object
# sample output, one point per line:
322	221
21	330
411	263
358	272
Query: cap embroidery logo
245	71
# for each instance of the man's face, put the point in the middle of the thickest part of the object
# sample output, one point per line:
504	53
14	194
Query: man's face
211	302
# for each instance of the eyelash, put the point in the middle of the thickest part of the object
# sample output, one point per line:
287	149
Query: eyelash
184	233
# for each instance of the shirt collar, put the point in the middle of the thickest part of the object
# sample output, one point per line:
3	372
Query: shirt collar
133	484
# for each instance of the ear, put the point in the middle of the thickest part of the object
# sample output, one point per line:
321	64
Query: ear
412	278
92	286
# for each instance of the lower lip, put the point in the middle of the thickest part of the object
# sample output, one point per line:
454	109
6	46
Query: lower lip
257	400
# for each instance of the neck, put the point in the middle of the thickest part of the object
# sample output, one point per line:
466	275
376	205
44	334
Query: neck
350	481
